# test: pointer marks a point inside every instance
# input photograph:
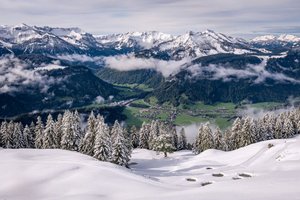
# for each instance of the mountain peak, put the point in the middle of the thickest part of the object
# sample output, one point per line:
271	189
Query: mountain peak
281	38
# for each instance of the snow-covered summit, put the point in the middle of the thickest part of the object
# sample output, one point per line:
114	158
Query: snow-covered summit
131	39
282	38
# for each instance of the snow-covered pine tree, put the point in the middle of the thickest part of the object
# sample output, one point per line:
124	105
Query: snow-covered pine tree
58	131
174	136
255	131
120	152
103	145
114	130
164	143
39	133
134	135
31	136
235	134
266	127
27	137
197	144
153	133
288	130
67	138
88	141
49	134
18	138
298	127
227	143
144	136
246	136
208	140
77	132
3	134
278	128
182	141
218	139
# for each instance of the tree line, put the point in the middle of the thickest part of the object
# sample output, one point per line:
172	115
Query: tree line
247	130
115	143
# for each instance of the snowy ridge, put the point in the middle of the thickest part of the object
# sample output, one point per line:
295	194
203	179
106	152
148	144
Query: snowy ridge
74	40
258	171
281	38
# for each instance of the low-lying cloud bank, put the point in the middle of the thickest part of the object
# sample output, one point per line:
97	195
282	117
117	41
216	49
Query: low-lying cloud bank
257	73
16	75
130	62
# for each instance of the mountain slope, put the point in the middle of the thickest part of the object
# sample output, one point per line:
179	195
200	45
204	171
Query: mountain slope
232	78
31	83
276	43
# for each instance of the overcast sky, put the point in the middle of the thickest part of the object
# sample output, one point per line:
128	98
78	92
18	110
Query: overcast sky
236	17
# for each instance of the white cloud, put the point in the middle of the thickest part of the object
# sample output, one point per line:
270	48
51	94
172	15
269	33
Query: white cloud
99	100
15	75
80	58
129	63
226	73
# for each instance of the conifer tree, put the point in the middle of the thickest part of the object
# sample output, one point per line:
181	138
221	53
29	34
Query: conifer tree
227	143
144	136
67	138
120	152
278	128
218	139
76	128
235	134
246	136
8	137
182	141
49	134
4	134
208	140
288	129
198	142
18	138
39	133
153	133
58	131
103	146
174	137
31	136
164	143
28	140
88	142
134	135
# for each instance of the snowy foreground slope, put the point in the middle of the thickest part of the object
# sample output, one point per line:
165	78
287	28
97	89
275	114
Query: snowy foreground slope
57	174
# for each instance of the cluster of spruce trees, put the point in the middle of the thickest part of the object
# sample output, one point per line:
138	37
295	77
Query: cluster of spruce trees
97	139
245	131
114	144
159	136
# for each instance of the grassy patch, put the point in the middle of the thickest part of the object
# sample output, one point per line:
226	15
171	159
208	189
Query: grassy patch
222	122
184	119
131	118
265	105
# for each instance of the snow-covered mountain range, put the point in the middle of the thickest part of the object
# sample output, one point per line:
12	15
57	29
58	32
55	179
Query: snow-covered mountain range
27	39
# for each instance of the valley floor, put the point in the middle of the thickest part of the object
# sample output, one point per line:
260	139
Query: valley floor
253	172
